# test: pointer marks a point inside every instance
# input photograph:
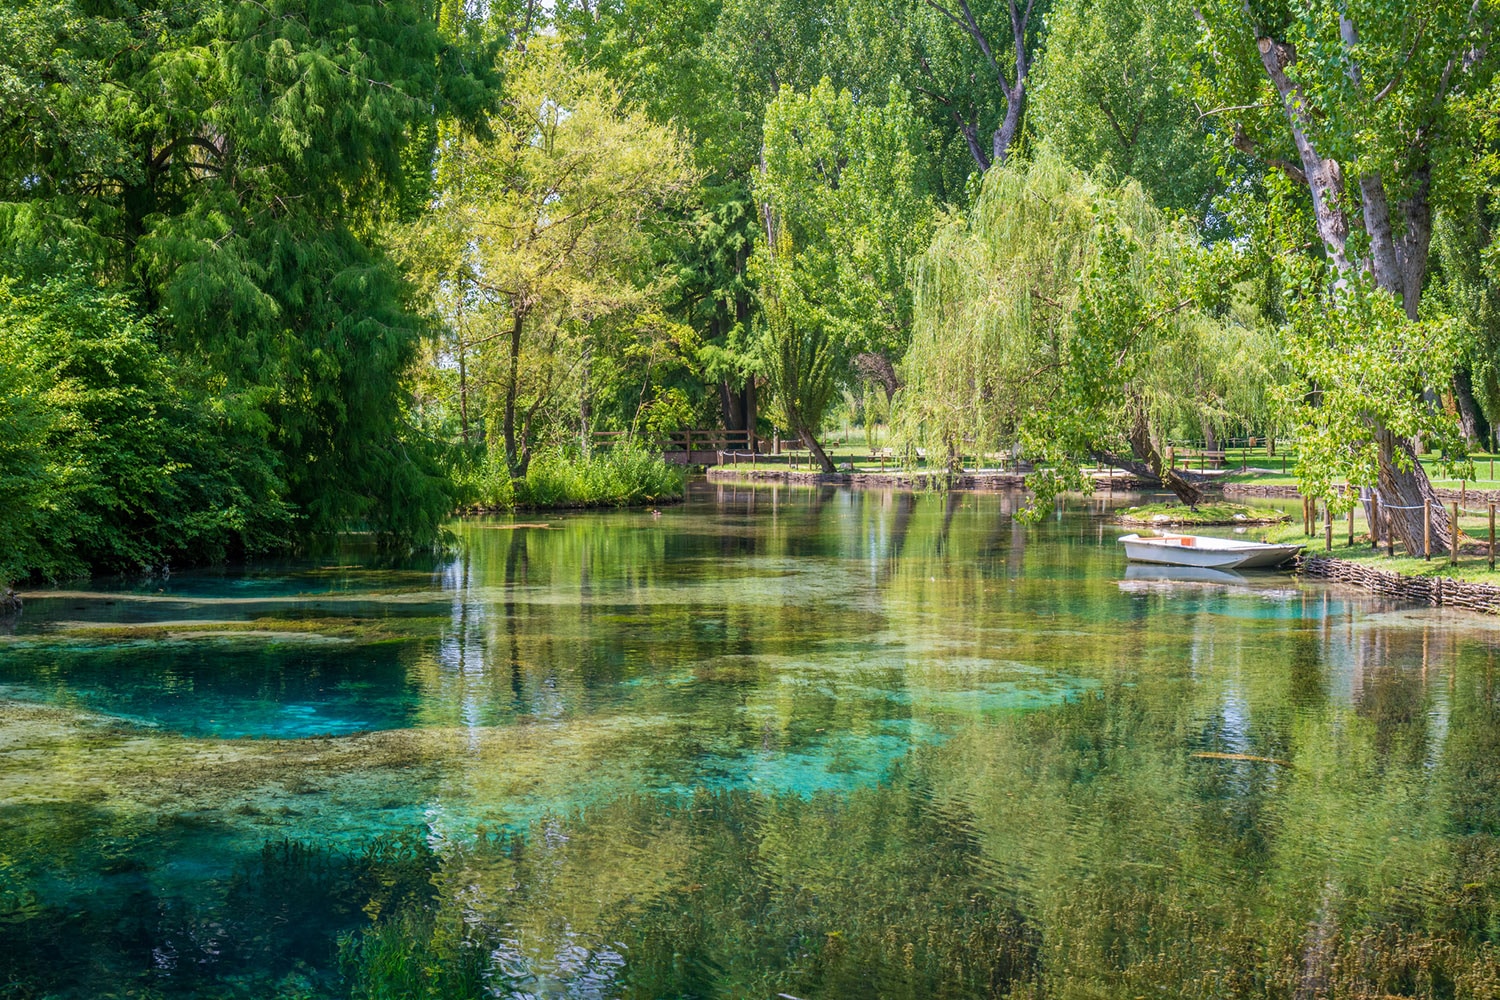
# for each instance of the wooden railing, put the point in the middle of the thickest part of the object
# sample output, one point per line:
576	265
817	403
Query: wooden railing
691	440
711	440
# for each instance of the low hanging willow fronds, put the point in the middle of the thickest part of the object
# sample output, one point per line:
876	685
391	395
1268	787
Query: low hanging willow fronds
1064	315
995	297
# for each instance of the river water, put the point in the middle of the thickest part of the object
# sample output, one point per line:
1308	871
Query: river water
791	742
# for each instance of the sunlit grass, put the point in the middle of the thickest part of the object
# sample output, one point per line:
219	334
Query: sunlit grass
614	478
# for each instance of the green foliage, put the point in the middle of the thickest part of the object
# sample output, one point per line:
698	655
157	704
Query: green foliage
843	194
121	460
614	478
534	256
802	357
1357	365
1464	287
844	181
1064	315
965	86
1383	107
225	167
1111	97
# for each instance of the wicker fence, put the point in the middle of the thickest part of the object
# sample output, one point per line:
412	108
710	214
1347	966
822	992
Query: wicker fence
1435	591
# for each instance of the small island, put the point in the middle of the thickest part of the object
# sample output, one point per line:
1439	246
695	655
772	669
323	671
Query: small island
1203	515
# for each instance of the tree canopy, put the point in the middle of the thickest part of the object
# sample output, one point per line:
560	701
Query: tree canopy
277	270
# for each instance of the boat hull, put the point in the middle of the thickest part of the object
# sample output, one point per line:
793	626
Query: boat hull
1206	553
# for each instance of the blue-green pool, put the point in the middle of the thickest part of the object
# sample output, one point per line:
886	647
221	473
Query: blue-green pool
772	742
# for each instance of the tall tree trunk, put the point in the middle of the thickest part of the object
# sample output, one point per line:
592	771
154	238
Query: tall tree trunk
586	405
1415	243
733	405
1325	180
1470	417
810	442
513	458
463	392
1399	265
752	413
1014	92
1005	135
737	408
463	369
1402	496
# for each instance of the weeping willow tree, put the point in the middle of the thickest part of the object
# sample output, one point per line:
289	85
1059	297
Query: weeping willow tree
1056	316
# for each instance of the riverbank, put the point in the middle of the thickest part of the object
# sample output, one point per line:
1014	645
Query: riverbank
1283	491
1415	580
905	480
1434	590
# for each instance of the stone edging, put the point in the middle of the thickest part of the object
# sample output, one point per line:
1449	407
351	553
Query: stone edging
892	480
1435	591
1253	490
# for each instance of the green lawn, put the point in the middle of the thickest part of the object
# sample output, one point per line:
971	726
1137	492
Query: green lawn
1266	470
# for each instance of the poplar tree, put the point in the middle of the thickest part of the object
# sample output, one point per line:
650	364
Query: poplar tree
1359	104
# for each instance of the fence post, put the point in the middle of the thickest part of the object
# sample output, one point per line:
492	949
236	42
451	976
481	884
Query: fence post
1374	516
1453	535
1492	534
1327	525
1390	535
1351	527
1427	529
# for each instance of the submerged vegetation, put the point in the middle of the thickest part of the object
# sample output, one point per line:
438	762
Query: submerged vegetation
859	746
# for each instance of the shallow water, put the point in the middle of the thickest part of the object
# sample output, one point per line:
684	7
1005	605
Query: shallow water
817	743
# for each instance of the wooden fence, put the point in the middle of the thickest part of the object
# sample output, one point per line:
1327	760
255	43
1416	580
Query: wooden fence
690	440
1378	523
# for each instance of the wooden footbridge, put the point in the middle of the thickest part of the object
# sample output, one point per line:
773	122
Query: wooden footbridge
698	447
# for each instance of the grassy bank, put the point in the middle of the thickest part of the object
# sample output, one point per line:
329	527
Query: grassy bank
616	478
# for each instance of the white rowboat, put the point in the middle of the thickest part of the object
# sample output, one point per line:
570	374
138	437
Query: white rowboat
1200	550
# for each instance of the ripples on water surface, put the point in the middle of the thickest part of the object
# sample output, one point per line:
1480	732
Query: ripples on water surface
813	743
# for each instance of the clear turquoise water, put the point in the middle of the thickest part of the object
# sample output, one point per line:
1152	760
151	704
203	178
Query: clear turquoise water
808	742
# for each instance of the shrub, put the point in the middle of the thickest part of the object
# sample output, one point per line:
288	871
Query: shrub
557	479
